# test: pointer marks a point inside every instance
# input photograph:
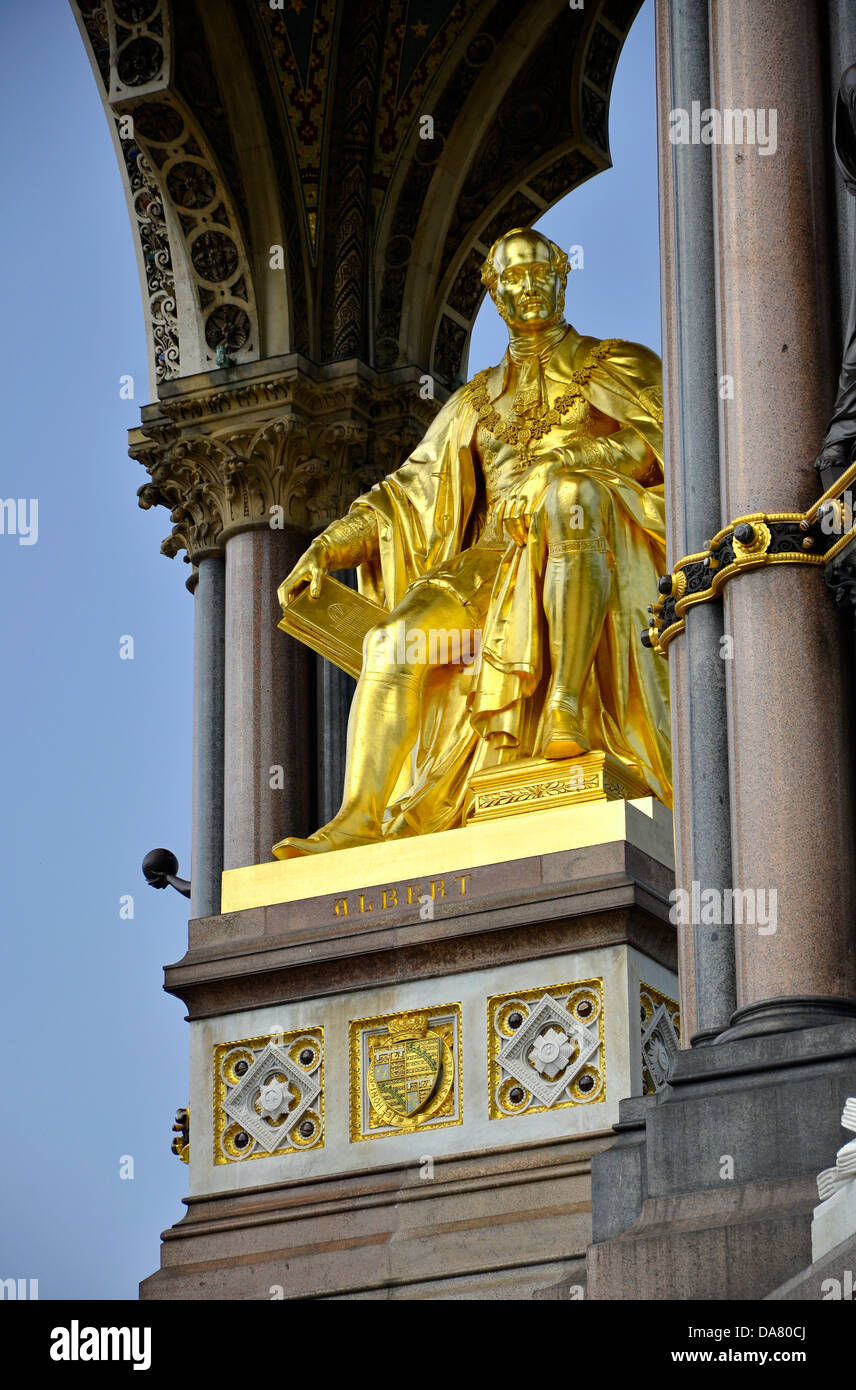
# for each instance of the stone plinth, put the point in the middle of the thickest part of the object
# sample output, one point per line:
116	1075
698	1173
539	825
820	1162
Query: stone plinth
717	1172
510	1224
535	955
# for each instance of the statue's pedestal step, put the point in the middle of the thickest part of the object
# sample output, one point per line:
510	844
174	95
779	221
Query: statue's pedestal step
483	843
512	789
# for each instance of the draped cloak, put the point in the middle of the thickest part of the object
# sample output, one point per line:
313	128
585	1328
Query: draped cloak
491	711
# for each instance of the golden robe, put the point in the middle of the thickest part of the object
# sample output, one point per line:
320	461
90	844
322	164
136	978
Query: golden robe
433	509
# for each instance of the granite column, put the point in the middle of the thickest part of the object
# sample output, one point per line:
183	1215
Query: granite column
269	702
700	753
209	677
788	702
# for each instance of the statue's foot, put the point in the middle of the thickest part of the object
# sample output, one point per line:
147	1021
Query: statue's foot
838	455
329	837
563	738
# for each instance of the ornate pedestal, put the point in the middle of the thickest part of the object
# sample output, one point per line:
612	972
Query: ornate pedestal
514	788
404	1057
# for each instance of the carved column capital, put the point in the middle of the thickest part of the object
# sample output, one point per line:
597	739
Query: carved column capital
284	450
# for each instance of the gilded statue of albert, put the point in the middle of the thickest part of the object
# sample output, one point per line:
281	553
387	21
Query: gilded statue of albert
531	515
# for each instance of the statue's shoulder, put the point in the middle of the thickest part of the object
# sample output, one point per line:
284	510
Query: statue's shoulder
631	359
622	372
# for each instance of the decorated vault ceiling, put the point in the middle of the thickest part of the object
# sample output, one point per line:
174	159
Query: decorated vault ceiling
324	177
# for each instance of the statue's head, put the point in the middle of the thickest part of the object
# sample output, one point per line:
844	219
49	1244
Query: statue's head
526	274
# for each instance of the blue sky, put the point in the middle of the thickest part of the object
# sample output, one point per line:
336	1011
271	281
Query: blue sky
97	750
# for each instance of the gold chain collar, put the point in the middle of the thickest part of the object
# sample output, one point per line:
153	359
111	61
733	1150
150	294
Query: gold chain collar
519	432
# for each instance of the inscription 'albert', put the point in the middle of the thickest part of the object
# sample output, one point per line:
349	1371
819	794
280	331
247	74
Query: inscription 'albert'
389	896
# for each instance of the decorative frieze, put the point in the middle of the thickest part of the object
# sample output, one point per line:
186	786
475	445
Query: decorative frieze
147	208
660	1024
354	1075
269	1095
545	1049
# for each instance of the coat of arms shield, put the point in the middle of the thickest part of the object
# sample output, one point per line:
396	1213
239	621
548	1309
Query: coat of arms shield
404	1071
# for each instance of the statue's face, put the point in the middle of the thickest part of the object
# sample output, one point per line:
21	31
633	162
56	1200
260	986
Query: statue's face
528	288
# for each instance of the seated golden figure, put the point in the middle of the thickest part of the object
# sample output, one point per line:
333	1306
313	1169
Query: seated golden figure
528	525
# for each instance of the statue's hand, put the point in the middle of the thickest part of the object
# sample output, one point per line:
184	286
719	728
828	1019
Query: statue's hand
516	519
310	569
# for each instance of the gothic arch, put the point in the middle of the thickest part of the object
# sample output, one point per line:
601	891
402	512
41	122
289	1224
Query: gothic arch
298	125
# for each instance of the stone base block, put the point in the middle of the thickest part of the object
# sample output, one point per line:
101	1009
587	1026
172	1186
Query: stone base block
729	1244
832	1278
710	1188
510	1224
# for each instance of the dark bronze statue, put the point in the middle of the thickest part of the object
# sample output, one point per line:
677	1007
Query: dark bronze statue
839	447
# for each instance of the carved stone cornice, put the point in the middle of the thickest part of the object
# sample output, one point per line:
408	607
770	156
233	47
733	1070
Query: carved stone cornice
285	450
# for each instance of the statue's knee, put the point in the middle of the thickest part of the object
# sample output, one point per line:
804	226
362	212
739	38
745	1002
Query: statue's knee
575	503
382	647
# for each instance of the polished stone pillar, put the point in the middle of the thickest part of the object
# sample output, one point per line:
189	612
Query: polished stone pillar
697	670
209	692
675	546
334	693
788	703
270	769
